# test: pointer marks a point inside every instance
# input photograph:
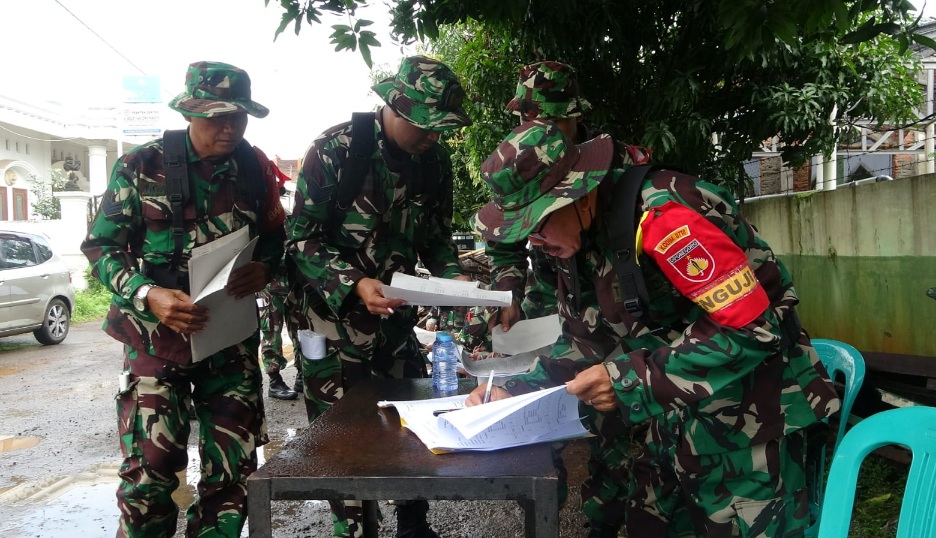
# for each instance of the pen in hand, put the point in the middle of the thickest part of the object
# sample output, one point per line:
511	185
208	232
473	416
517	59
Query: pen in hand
487	390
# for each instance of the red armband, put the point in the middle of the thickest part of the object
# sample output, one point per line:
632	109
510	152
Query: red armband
704	264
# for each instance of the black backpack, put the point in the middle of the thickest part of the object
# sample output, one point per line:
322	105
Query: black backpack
249	181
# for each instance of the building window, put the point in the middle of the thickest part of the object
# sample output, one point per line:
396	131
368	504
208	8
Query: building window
17	147
27	149
8	144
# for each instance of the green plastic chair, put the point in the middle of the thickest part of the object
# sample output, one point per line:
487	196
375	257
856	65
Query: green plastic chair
911	427
842	359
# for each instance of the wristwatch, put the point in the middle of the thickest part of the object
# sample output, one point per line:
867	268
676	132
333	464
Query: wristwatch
139	298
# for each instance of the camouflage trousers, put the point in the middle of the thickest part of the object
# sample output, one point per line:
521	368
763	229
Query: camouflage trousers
606	490
358	347
757	491
153	423
271	328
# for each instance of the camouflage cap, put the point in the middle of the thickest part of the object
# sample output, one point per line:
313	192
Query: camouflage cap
215	88
426	93
548	90
535	171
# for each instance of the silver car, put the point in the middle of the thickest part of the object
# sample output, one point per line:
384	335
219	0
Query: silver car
36	293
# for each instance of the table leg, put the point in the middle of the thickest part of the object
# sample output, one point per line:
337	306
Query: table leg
371	520
545	510
259	519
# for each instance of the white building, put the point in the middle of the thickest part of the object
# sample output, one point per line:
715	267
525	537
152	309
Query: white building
34	140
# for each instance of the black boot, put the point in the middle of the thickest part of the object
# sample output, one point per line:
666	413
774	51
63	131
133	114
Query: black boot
411	520
279	389
601	530
297	385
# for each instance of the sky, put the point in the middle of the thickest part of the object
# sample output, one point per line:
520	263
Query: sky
49	56
928	7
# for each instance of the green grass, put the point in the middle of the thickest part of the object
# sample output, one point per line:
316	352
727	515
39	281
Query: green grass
877	502
91	304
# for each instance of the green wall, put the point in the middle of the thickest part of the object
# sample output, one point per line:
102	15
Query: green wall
874	303
862	259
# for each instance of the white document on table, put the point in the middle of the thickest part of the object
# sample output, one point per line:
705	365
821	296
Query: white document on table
526	335
231	320
443	292
537	417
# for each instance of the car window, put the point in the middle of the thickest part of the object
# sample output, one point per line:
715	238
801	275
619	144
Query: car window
43	250
16	252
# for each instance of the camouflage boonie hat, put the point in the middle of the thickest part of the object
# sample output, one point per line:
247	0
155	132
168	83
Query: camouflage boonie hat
548	90
535	171
426	93
215	88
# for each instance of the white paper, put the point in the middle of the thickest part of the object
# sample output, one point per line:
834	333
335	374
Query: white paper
443	292
231	320
536	417
425	337
526	335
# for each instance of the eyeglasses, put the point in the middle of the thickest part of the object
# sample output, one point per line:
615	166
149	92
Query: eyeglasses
538	232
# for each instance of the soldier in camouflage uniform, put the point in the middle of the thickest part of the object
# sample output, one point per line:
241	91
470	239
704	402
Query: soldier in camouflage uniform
340	261
129	243
714	380
546	91
273	299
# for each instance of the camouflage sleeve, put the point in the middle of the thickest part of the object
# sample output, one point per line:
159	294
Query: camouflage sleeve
117	222
321	263
540	299
270	221
508	267
582	344
438	251
714	258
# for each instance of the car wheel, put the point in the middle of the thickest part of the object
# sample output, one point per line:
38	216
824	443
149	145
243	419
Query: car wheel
54	325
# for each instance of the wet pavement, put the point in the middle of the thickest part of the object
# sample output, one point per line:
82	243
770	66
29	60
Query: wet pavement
59	452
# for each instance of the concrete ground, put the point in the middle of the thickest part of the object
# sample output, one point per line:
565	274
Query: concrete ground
59	452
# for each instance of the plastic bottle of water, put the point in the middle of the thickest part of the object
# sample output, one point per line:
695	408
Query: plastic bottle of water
444	364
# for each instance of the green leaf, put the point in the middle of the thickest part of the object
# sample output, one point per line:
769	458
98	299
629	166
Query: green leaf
923	40
366	54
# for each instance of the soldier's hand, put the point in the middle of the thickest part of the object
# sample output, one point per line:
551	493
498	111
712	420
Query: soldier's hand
507	316
176	310
248	279
477	395
593	386
370	290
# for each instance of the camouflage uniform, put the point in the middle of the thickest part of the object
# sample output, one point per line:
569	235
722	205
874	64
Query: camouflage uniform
271	325
403	211
133	224
546	90
709	386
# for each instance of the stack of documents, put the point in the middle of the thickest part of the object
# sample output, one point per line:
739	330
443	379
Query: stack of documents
537	417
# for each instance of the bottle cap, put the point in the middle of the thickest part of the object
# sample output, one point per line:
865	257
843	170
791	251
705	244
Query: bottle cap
443	337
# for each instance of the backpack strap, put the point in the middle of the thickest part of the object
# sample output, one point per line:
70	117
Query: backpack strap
622	224
250	180
360	152
177	188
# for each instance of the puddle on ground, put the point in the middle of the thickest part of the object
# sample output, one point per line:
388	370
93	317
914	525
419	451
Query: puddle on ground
87	510
184	496
9	443
85	504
